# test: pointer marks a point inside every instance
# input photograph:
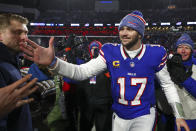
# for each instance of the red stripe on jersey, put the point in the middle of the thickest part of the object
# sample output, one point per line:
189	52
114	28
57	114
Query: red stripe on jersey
164	57
124	52
163	63
103	58
101	52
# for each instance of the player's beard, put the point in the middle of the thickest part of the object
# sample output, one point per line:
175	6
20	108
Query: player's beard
133	42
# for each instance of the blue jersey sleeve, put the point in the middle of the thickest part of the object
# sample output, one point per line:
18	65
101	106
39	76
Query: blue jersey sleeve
160	56
190	86
105	50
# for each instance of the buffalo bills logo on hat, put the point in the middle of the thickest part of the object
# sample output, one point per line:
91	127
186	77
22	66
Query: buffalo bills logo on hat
132	23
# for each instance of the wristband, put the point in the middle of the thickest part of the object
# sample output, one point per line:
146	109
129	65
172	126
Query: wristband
53	62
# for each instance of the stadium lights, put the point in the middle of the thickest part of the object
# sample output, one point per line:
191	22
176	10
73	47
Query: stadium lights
165	23
75	24
60	24
146	24
117	24
98	24
37	24
49	24
191	23
86	25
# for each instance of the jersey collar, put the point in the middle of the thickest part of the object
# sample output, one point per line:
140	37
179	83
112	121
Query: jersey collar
139	55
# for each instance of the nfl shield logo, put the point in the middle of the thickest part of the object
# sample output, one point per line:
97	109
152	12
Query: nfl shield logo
132	64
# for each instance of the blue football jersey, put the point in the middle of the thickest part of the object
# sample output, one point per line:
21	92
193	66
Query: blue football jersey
133	79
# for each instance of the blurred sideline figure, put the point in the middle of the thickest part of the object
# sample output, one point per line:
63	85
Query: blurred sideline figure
94	98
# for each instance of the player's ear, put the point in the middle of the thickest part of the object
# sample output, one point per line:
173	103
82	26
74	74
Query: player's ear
140	37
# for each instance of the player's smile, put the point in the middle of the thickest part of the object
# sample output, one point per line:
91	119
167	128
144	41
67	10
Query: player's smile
125	39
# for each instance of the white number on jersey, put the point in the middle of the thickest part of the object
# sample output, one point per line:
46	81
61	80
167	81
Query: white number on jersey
134	82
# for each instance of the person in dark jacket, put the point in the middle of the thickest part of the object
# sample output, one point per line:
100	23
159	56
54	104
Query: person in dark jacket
13	31
95	98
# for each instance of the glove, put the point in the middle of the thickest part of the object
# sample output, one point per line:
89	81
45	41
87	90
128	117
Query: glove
177	70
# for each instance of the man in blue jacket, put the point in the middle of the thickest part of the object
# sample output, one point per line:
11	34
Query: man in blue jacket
13	31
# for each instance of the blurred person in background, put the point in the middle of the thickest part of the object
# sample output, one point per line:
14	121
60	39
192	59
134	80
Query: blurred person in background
94	98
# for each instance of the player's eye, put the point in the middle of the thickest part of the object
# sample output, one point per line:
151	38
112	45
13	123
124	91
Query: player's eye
129	29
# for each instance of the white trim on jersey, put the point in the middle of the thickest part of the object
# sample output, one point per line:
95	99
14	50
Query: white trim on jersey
142	47
103	58
122	52
163	63
142	52
164	57
102	55
101	52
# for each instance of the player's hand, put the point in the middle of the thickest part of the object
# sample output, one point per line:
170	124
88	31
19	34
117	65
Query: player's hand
38	54
12	95
181	123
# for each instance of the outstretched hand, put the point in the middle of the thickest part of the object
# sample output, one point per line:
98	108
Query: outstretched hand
12	95
38	54
181	123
